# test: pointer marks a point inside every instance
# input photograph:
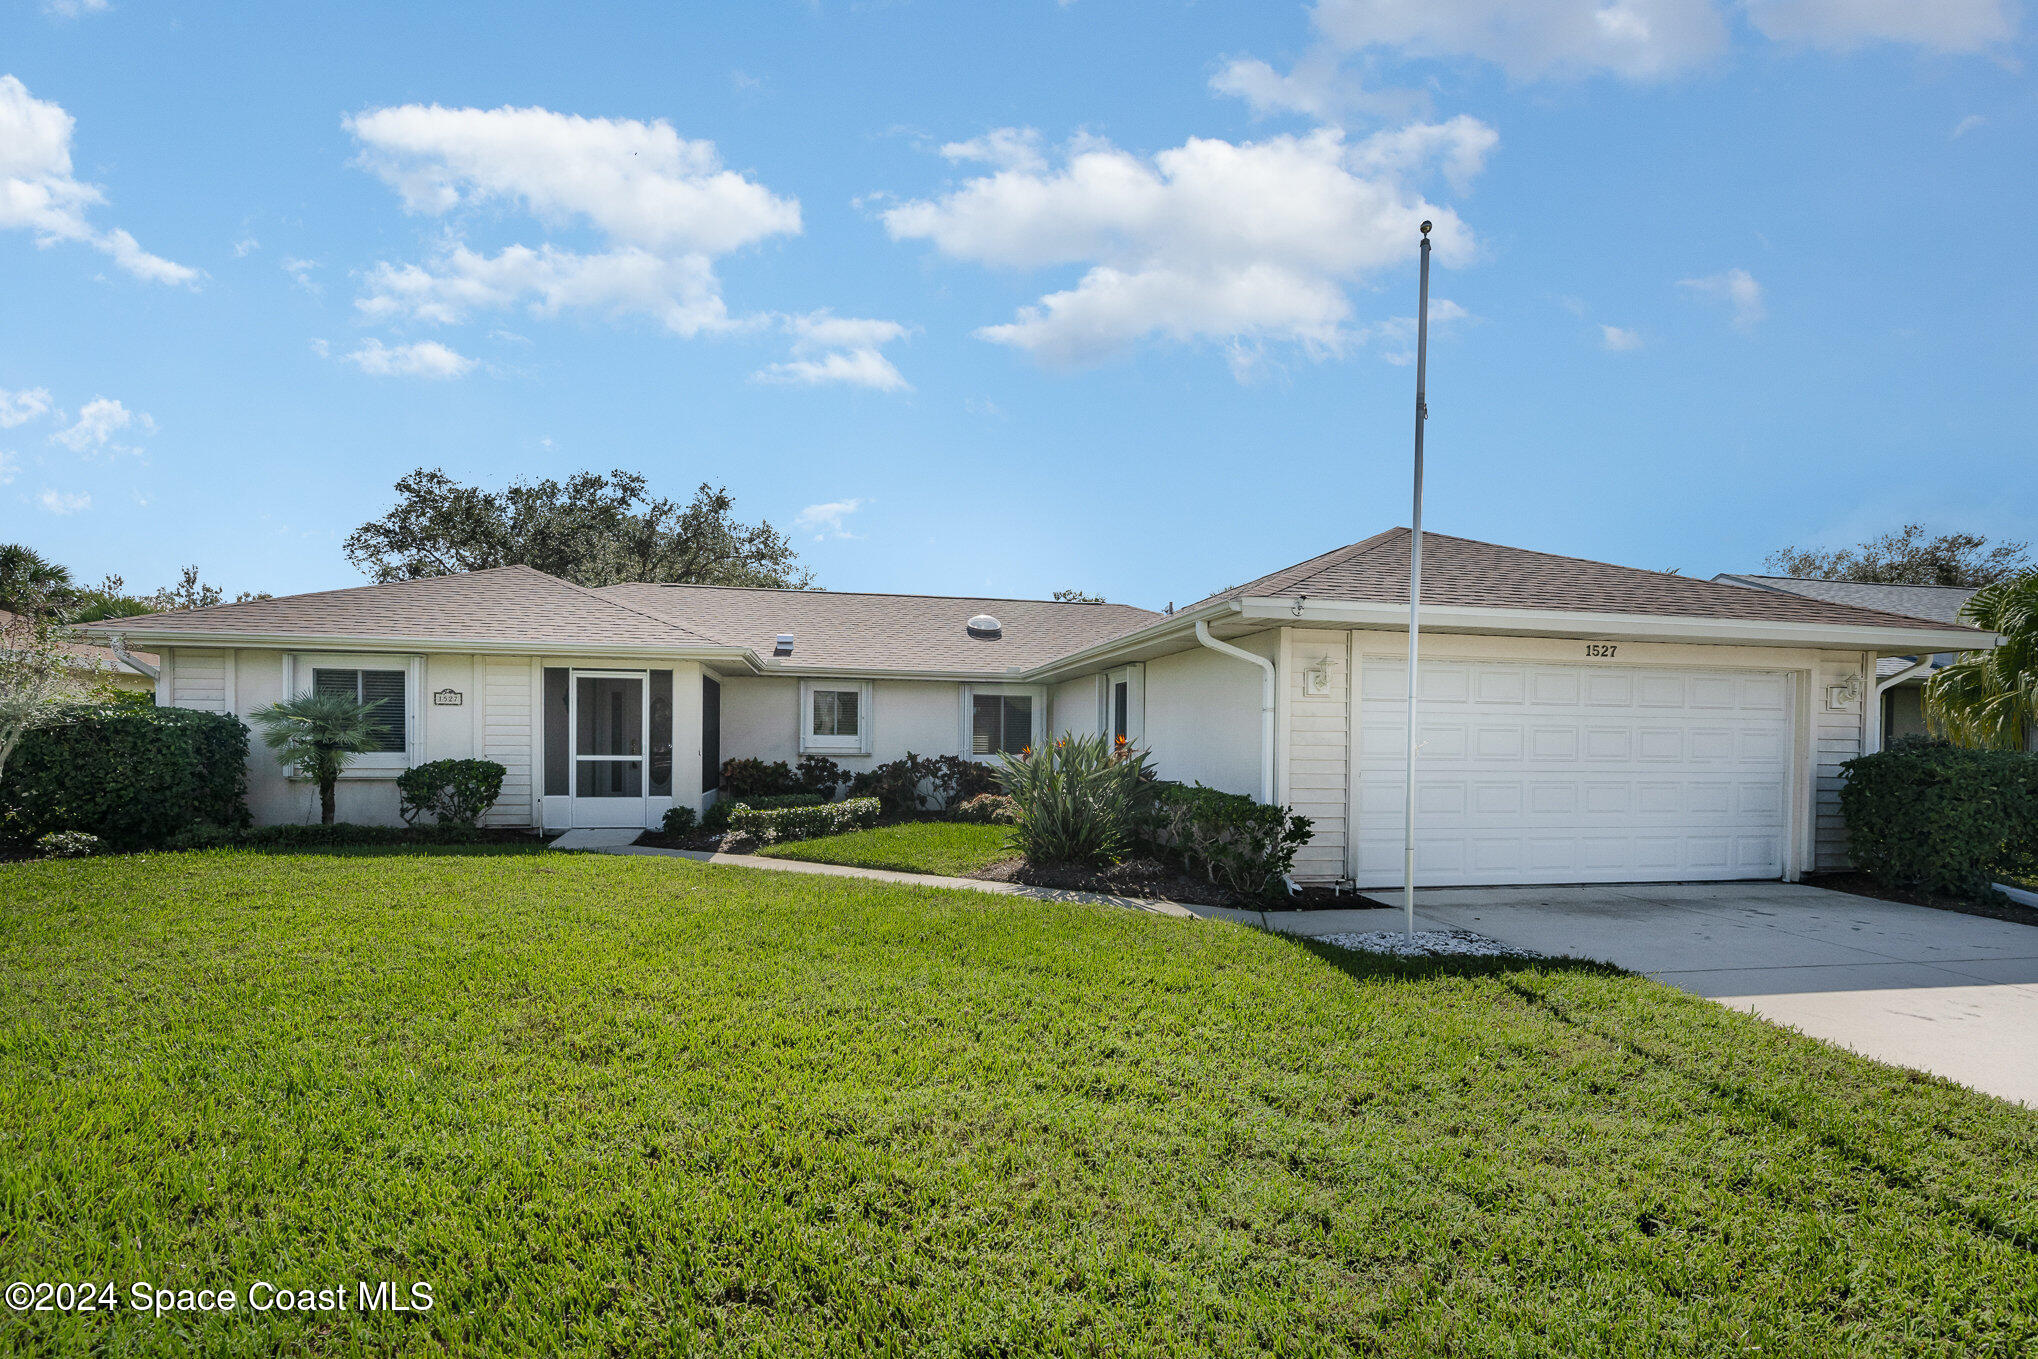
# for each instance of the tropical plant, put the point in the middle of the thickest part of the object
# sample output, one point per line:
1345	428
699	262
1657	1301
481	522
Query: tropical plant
35	674
318	734
31	583
452	792
1232	840
1075	801
1990	698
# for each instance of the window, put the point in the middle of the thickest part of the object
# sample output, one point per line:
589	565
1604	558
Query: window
1000	723
384	688
1121	711
835	717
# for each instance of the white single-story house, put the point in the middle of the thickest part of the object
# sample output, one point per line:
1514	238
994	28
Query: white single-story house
1580	722
1899	680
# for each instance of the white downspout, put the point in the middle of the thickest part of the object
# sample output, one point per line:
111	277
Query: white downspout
120	653
1266	704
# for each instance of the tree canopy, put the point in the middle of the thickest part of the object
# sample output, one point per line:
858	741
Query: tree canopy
1075	596
590	529
1908	557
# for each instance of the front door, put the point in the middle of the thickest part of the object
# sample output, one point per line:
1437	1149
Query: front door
609	718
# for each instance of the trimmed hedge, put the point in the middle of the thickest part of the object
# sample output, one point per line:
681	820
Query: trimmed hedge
1927	816
451	792
338	835
781	802
131	776
989	808
1232	840
804	823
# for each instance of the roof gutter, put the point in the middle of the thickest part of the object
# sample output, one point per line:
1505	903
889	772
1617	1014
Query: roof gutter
1889	640
118	644
1266	703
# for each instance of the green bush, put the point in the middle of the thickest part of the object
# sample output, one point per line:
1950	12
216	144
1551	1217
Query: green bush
715	819
1927	816
678	820
1076	801
804	823
338	834
1232	840
782	801
68	845
821	775
991	808
452	792
131	776
751	777
906	786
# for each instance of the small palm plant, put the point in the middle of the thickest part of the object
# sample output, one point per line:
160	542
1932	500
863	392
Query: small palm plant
319	734
1990	698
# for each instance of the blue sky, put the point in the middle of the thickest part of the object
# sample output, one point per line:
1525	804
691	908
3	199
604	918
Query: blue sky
1011	298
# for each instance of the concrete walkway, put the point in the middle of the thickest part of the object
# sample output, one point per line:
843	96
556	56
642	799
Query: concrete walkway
1952	994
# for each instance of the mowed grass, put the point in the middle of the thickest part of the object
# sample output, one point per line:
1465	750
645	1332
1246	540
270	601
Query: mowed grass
613	1105
951	848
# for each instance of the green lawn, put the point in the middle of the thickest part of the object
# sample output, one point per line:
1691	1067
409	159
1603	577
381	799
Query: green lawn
606	1105
952	848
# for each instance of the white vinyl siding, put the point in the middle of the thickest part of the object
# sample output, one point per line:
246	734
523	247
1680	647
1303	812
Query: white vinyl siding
1319	739
198	680
1838	736
506	737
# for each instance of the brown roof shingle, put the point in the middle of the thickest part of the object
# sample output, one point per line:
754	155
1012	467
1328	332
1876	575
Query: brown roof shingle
1471	574
886	632
508	604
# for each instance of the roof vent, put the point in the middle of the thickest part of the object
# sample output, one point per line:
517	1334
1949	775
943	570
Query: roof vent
784	645
983	625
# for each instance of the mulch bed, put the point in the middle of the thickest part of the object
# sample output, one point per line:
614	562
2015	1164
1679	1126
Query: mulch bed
1141	878
1861	885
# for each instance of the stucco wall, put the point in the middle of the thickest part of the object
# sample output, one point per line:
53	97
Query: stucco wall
1073	707
760	719
1203	716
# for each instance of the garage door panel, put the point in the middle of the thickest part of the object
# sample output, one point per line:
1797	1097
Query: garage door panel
1549	773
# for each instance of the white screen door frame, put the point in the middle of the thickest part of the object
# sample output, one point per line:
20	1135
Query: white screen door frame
608	810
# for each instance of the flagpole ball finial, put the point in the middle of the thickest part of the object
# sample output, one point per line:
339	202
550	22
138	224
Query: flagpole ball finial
1425	228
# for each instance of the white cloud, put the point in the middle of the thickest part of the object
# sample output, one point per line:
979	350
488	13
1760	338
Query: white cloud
1735	287
10	468
827	518
1003	148
1966	125
64	502
1314	88
300	274
829	349
39	192
1211	240
1635	39
1840	25
1394	337
246	246
1618	340
425	359
18	408
74	9
98	421
664	207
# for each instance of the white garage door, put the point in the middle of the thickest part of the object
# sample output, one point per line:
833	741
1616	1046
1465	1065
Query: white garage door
1575	773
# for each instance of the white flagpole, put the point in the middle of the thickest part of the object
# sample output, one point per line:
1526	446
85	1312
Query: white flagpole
1415	587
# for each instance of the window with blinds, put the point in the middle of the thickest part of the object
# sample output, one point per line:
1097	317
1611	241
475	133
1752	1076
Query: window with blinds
385	689
1000	723
835	713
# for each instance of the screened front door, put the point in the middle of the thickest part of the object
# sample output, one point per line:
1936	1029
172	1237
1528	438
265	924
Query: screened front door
609	716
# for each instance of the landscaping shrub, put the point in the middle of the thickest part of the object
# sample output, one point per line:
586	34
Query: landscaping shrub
131	776
68	845
1927	816
782	801
916	783
804	823
993	808
1075	801
453	792
335	834
819	774
752	777
715	819
1232	840
679	820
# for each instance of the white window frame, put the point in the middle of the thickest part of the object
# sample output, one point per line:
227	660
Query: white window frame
970	692
866	718
373	764
1133	677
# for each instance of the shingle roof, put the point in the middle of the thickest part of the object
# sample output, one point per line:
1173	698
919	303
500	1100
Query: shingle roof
513	604
1940	603
886	632
1468	573
90	655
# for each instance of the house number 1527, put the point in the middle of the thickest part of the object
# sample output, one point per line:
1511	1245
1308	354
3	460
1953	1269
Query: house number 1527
1600	648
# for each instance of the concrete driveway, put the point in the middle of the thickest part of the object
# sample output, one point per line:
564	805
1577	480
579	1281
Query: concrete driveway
1952	994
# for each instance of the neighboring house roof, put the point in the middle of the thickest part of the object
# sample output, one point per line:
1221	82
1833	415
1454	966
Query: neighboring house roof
1466	573
847	631
509	605
1940	603
91	655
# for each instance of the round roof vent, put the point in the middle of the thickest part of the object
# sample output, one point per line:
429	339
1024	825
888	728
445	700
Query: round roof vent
983	625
